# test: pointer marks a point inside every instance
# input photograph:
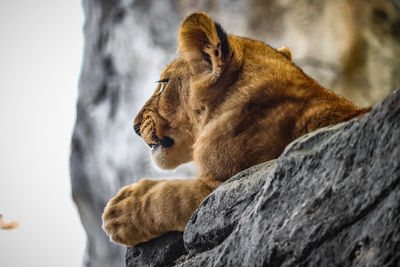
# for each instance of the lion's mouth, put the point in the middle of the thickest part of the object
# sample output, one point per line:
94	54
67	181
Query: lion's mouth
165	142
148	134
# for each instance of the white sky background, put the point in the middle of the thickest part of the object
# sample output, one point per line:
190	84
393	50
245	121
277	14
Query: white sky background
40	57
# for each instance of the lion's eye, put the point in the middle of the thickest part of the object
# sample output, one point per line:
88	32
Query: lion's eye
164	83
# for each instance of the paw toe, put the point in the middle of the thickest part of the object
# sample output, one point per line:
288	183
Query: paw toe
122	194
112	212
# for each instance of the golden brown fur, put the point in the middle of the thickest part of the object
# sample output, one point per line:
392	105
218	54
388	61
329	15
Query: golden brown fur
229	103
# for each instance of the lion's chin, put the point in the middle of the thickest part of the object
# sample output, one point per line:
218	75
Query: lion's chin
162	159
171	157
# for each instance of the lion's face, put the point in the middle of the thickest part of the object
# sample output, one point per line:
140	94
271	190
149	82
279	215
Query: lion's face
192	87
163	123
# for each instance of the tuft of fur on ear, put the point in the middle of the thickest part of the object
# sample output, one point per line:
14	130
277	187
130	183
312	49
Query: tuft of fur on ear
204	44
286	52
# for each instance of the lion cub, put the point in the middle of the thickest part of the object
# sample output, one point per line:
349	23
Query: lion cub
227	103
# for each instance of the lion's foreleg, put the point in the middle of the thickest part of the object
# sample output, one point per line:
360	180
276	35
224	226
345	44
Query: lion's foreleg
150	208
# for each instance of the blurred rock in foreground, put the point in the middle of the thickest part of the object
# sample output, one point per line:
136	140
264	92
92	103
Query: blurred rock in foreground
331	199
351	47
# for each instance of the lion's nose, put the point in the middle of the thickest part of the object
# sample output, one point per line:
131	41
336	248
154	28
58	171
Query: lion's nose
136	128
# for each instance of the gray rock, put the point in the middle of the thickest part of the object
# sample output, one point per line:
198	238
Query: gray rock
331	199
224	206
170	247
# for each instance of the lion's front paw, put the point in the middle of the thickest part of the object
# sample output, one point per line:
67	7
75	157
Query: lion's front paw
125	218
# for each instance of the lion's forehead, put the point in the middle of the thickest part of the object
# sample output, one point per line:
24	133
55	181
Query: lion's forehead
178	65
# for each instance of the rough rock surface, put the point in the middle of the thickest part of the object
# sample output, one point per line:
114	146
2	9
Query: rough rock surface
170	244
331	199
351	47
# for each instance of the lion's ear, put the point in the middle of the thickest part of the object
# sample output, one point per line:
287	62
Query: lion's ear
286	52
203	43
